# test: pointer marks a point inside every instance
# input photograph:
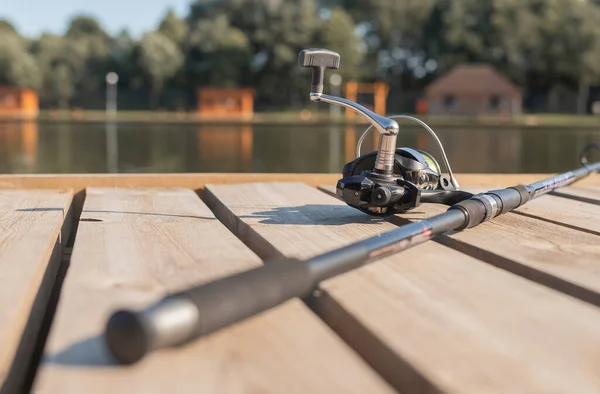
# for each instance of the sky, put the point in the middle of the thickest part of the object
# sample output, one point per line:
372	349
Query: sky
32	17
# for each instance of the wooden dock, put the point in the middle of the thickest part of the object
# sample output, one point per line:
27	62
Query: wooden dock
512	306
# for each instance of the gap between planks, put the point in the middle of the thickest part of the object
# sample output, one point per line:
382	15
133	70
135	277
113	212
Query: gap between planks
589	194
427	324
197	182
36	224
561	253
136	244
559	210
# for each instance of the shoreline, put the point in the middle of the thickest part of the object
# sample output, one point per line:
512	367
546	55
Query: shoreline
308	119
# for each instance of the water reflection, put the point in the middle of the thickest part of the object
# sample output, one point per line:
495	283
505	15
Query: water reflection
112	148
18	147
86	147
232	146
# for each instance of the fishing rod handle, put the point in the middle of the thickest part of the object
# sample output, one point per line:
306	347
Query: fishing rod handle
195	312
486	206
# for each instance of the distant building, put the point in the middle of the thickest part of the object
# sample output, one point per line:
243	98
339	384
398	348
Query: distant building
473	89
218	102
379	90
16	102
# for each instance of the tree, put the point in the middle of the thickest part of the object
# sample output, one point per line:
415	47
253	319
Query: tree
123	61
542	44
82	26
88	54
338	33
173	27
17	66
276	30
57	70
545	40
218	54
392	31
504	33
159	58
7	28
61	84
569	46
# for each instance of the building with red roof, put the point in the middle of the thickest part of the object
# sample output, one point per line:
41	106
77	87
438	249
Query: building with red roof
473	89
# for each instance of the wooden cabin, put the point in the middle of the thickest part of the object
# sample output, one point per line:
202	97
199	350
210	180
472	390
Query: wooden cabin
222	102
379	90
18	102
473	90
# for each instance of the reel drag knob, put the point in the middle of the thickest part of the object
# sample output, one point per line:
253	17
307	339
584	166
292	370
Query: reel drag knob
381	196
387	195
318	59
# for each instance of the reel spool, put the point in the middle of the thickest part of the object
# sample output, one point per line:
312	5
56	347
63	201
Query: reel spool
390	180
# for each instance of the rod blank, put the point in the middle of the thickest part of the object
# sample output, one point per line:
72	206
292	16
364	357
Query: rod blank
185	316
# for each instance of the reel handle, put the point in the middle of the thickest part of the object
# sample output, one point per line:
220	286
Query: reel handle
318	59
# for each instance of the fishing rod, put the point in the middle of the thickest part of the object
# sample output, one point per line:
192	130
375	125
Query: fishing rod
198	311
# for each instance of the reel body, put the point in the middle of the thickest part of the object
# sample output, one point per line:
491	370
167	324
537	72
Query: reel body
414	173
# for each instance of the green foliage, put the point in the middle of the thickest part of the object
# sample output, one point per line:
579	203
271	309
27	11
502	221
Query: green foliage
339	32
275	31
218	53
159	59
57	67
85	26
542	44
17	66
7	28
61	84
539	43
82	56
393	32
174	28
391	22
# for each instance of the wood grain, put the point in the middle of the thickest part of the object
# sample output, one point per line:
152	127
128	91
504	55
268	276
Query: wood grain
574	214
134	245
31	234
79	182
589	194
429	319
563	258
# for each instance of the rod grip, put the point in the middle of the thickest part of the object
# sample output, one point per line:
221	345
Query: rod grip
239	296
184	316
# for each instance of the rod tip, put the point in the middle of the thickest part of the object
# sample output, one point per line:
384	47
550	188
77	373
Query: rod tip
126	337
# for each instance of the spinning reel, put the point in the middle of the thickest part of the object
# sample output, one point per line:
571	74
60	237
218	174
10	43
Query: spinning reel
391	180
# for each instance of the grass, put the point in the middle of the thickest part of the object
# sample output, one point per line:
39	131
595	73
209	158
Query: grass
313	117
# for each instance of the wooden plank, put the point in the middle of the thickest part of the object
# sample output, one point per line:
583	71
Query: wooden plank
134	245
563	258
33	225
574	214
429	319
589	194
559	257
78	182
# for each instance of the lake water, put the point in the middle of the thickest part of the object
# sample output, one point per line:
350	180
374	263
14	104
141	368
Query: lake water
88	147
